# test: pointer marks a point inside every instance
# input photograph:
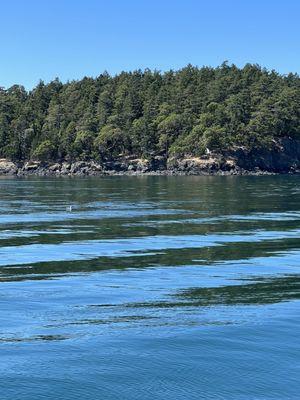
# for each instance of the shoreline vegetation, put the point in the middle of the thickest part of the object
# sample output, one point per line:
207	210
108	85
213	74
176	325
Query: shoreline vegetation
282	159
224	120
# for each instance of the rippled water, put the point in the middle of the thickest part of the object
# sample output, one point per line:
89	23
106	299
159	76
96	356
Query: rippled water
151	288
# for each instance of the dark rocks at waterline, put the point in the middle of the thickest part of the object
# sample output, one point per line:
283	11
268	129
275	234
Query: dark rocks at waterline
283	158
174	167
8	167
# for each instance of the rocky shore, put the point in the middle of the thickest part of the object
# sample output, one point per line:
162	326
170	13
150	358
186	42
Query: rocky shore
283	158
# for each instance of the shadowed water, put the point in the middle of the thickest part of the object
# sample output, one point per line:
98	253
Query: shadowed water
151	288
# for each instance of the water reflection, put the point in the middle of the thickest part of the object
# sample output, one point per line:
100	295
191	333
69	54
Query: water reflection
153	287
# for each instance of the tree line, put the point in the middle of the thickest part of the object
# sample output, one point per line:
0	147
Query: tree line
146	113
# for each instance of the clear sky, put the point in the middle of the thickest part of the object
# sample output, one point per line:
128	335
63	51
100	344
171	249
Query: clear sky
42	39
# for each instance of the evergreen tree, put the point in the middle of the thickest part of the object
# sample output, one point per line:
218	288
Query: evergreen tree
146	113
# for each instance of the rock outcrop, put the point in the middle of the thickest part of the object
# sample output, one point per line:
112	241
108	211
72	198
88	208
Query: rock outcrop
7	167
284	157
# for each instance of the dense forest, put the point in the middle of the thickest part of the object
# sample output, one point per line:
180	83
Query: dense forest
144	113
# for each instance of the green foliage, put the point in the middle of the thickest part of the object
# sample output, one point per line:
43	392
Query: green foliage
143	113
83	144
44	151
214	137
110	142
168	130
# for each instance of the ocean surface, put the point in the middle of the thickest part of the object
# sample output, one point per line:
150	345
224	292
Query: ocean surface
150	288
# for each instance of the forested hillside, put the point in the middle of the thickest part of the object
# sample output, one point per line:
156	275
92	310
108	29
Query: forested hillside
144	113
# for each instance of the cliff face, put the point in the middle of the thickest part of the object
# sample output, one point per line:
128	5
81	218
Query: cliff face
283	158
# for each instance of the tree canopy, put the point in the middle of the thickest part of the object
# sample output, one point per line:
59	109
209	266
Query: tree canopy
146	113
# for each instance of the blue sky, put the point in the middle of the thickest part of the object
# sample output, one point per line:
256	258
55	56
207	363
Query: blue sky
42	39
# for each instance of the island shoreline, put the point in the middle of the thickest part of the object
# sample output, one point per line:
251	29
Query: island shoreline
89	169
283	158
